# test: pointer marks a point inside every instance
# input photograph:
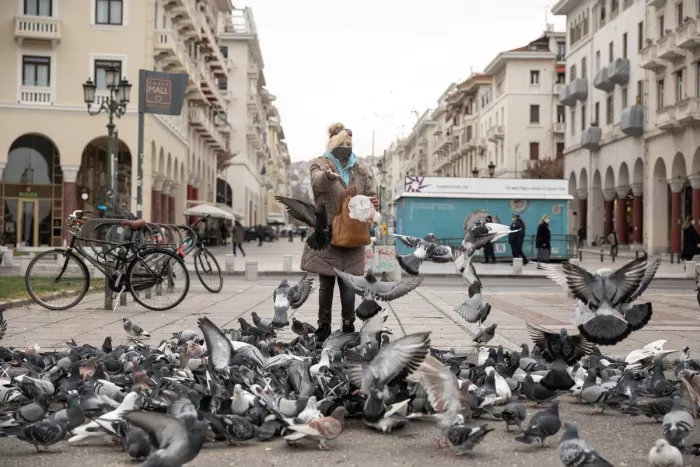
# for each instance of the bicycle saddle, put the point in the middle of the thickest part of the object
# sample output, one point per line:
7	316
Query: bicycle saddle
138	224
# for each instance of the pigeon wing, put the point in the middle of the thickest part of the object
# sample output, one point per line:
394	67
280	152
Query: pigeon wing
392	290
373	326
218	346
441	385
249	352
406	353
543	339
3	325
183	410
162	429
557	276
620	285
357	283
298	294
441	254
411	242
575	348
338	341
299	210
649	274
581	283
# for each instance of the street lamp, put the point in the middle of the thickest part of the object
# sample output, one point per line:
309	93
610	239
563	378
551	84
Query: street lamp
475	172
492	169
115	106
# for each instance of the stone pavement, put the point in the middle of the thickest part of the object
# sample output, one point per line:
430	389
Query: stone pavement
269	259
514	303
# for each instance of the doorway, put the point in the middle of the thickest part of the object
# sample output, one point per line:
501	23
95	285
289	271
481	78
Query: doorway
28	215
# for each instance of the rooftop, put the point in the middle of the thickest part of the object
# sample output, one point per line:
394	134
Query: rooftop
537	49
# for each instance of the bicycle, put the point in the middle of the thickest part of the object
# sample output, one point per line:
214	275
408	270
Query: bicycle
205	264
138	268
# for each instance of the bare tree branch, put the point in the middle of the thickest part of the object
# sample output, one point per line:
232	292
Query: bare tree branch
545	168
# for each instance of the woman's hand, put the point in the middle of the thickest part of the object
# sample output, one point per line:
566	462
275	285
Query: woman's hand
375	202
332	176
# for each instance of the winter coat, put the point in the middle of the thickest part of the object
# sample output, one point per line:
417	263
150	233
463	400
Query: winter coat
543	237
238	233
350	260
690	243
515	238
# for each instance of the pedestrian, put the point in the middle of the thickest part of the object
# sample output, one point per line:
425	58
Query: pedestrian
238	237
302	234
224	233
612	240
543	241
291	235
331	175
261	234
691	240
488	248
581	236
516	239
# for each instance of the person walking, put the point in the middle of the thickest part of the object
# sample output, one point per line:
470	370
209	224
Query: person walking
612	240
543	241
332	175
224	233
691	240
238	237
261	234
488	248
516	239
291	235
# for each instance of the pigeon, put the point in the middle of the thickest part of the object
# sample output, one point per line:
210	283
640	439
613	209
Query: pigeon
28	414
514	414
465	436
286	297
482	233
261	323
425	249
301	328
562	351
313	216
370	289
183	337
542	425
649	353
575	452
664	455
485	334
677	425
320	429
474	309
219	348
43	433
134	330
465	267
3	322
93	428
71	417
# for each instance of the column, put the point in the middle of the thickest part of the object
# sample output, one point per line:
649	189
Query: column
156	199
608	196
637	214
621	214
195	196
164	203
583	208
171	202
695	185
676	221
70	193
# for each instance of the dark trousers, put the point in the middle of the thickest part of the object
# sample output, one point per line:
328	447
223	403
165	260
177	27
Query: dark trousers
517	249
325	300
260	240
240	247
488	253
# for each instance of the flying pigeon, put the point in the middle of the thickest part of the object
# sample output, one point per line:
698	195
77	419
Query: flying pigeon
542	425
286	296
482	233
664	455
313	216
370	289
562	351
465	436
575	452
677	424
320	429
485	334
474	309
134	330
425	249
465	267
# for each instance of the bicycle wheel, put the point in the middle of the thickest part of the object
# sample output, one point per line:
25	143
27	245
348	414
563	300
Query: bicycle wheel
57	279
208	271
158	279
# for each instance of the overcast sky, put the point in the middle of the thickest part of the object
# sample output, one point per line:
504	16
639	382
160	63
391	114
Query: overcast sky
370	64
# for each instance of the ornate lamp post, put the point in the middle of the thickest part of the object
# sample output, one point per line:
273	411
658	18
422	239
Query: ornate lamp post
115	106
475	172
492	169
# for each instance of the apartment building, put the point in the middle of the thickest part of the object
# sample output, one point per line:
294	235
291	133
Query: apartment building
277	181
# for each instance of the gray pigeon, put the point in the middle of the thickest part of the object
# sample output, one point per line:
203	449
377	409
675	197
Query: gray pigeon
562	351
302	328
485	334
261	323
425	249
3	322
185	336
592	393
315	217
542	425
137	443
219	349
72	416
474	309
465	436
514	414
482	233
286	297
44	433
134	330
369	288
677	424
575	452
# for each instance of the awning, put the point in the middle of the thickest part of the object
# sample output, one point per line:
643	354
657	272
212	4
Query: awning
561	68
207	210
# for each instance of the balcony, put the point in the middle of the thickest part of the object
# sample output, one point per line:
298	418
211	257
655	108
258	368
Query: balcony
650	60
619	71
688	111
35	95
590	138
253	71
632	121
558	87
565	96
602	80
656	3
210	86
687	37
37	28
667	49
495	133
559	128
666	119
579	89
210	45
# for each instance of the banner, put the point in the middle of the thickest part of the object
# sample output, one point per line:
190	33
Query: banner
485	186
161	93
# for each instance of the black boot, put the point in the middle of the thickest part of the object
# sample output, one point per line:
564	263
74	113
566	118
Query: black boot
322	333
348	327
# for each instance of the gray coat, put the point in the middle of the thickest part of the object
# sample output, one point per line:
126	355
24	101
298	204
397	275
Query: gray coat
238	233
350	260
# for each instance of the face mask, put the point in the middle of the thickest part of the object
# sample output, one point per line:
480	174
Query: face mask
342	153
546	221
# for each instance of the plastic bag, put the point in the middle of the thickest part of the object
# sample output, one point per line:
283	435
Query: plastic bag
361	209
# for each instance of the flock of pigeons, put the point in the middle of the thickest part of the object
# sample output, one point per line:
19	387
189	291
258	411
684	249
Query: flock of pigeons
163	402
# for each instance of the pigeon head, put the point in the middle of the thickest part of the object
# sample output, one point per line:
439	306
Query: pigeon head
570	431
339	413
126	320
686	349
554	407
284	283
369	277
459	420
661	444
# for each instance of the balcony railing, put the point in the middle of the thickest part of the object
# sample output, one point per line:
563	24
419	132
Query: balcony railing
37	28
688	111
650	59
666	48
666	119
559	127
36	95
687	34
495	132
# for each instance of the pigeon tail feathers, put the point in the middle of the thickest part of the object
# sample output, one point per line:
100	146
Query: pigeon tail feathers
409	263
367	309
557	379
605	330
638	316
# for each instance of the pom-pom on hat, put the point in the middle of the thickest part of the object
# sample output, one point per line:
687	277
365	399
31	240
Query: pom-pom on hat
338	135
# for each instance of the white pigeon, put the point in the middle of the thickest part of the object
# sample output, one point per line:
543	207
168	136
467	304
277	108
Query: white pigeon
94	429
241	400
502	388
664	455
483	355
652	351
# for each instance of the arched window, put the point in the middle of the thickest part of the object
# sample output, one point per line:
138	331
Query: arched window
31	161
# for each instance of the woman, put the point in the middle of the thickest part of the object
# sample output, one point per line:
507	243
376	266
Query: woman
331	174
691	240
543	241
238	237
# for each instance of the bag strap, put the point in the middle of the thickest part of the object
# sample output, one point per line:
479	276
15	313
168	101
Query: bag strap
349	193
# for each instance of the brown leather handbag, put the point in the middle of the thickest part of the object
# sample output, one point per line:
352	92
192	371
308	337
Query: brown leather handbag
348	232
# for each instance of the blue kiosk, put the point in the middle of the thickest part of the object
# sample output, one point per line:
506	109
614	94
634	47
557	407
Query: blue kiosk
447	207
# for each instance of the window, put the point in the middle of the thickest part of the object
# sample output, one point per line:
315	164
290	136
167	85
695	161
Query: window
583	117
534	77
679	14
534	151
661	25
597	61
560	150
534	114
596	113
680	88
561	78
561	51
624	98
640	92
584	67
101	67
660	94
561	116
572	73
573	122
640	35
109	12
611	46
36	71
610	111
38	7
624	45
